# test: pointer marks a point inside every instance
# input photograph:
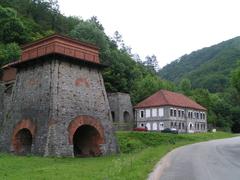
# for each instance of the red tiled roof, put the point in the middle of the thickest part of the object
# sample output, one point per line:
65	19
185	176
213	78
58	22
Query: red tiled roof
165	98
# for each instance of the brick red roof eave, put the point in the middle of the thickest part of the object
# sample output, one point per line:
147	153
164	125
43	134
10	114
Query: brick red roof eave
66	38
168	98
16	64
154	106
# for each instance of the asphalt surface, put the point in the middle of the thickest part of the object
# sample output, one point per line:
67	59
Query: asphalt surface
212	160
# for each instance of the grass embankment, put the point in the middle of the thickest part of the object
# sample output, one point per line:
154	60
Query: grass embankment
140	152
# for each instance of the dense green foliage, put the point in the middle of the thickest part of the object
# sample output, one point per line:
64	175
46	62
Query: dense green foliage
235	77
9	52
208	68
136	164
26	20
131	142
209	77
223	107
123	74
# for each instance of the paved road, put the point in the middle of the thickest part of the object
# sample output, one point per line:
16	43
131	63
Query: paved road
213	160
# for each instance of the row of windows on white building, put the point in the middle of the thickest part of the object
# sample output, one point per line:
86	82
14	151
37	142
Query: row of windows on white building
154	126
156	112
179	126
159	112
190	114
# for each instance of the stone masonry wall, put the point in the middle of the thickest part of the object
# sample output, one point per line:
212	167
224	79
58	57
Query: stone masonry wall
120	103
48	96
114	106
77	90
29	100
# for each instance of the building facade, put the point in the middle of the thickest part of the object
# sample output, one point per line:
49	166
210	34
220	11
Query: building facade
121	110
54	101
166	109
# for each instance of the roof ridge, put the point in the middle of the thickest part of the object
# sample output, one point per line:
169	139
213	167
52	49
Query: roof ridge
162	91
165	97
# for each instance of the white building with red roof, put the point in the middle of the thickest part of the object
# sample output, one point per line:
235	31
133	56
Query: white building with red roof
166	109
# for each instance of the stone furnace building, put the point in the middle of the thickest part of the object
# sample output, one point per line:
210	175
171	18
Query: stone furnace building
53	101
121	110
166	109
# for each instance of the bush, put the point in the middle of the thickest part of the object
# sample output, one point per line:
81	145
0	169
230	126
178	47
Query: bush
135	141
130	142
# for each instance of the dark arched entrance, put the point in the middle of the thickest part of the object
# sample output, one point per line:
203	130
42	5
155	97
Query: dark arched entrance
126	116
23	142
86	141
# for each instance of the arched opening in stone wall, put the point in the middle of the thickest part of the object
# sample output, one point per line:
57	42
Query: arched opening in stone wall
126	116
86	141
23	142
86	134
23	136
113	116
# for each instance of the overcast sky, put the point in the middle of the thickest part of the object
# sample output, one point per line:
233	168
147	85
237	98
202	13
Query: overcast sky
166	28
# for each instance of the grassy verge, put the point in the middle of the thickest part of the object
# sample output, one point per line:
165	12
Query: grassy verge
140	152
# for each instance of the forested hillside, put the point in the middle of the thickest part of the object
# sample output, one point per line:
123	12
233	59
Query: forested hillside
23	21
211	76
207	68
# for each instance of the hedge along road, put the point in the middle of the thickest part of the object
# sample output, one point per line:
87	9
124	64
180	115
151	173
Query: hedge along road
212	160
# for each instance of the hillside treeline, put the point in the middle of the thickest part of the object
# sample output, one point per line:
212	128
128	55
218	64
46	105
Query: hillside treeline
23	21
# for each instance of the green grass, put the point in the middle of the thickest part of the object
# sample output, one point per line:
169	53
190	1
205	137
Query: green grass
140	152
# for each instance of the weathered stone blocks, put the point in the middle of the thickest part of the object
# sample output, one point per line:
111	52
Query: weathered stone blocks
53	94
54	103
122	110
